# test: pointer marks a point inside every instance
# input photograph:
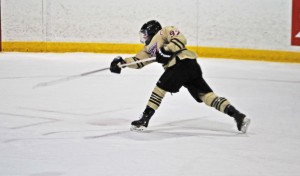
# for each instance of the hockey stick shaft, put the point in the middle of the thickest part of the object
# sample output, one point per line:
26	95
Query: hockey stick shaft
136	62
50	83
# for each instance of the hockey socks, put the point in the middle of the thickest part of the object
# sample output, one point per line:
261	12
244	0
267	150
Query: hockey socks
156	98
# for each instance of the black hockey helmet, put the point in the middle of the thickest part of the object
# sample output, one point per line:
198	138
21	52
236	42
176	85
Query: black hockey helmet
148	30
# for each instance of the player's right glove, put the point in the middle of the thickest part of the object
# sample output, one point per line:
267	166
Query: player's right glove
163	56
114	68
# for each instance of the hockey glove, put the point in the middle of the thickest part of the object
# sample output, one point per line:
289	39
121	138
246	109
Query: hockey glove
163	56
114	66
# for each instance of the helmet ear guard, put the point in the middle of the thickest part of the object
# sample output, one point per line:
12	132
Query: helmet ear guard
148	30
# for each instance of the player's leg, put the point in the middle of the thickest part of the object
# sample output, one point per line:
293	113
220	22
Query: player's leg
153	104
202	92
171	81
223	105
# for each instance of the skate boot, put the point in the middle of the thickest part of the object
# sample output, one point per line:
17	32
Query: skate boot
242	121
142	123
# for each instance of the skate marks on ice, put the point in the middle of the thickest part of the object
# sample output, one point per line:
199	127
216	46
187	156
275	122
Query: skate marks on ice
51	111
91	118
59	136
33	118
112	127
196	127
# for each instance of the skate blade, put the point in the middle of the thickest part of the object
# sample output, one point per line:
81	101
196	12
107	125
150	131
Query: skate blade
245	126
138	129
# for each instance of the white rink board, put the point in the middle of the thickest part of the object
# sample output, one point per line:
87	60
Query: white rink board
257	24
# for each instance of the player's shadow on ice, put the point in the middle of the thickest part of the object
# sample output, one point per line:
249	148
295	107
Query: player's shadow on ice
197	127
190	128
203	124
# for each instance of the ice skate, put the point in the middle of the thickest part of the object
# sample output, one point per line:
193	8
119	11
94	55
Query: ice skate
245	124
139	125
242	121
142	123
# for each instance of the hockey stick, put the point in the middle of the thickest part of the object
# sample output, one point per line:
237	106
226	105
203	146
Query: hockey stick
50	83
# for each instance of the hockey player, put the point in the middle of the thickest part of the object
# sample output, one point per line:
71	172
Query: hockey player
168	45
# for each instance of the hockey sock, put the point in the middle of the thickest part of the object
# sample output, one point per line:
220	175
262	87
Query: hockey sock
219	103
156	98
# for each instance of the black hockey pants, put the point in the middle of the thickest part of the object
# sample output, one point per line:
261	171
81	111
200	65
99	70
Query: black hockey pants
185	73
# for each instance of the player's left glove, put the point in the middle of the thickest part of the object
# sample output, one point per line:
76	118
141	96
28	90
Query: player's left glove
163	56
114	64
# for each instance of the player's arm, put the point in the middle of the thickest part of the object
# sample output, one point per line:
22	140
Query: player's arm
115	68
138	57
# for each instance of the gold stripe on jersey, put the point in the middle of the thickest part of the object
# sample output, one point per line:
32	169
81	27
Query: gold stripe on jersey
156	98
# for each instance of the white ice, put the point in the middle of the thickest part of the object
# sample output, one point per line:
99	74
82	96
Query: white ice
81	127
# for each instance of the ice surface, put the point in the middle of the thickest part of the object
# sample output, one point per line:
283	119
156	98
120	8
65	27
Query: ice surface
81	127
